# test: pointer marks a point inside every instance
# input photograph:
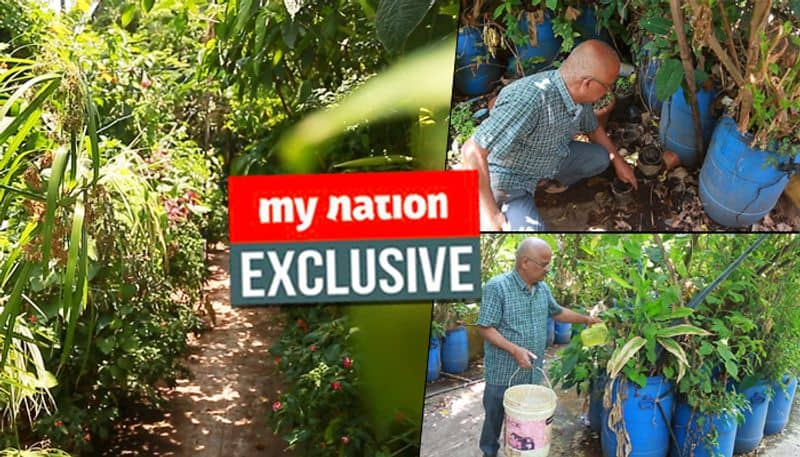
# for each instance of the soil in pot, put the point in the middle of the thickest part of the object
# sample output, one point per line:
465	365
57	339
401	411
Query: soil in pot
603	108
649	162
623	192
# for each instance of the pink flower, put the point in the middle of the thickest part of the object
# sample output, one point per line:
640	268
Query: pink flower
312	348
347	362
336	385
345	439
276	406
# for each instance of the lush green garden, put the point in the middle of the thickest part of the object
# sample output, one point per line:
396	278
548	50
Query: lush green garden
119	121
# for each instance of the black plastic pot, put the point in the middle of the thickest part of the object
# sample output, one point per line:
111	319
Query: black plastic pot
650	161
623	192
622	111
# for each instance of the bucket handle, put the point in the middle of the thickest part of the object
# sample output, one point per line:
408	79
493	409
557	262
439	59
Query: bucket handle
534	368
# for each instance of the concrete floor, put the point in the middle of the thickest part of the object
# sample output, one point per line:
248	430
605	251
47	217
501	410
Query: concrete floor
452	423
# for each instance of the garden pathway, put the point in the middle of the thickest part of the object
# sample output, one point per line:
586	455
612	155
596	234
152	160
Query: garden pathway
221	409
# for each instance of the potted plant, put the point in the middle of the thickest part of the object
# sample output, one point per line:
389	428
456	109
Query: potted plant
624	89
455	346
647	359
781	332
478	62
755	145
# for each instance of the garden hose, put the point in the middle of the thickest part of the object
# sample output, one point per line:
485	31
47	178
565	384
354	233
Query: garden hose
702	295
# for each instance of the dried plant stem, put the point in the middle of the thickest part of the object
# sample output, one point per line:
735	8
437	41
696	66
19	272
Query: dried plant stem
688	68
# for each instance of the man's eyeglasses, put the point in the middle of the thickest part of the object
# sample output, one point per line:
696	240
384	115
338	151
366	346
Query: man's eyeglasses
540	264
605	86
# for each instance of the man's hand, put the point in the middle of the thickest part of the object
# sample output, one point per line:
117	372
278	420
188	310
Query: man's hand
591	320
625	172
524	357
495	223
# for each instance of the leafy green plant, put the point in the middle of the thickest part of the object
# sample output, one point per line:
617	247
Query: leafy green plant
625	86
319	414
462	124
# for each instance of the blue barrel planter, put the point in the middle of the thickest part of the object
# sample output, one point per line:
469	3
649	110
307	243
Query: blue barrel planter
676	128
751	431
587	27
648	431
739	185
689	434
434	360
476	69
535	58
647	84
780	406
563	332
551	331
455	350
596	402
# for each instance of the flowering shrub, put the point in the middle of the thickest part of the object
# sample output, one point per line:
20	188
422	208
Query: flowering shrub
319	413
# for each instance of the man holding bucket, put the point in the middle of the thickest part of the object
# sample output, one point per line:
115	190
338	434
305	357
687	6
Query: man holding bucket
513	323
528	138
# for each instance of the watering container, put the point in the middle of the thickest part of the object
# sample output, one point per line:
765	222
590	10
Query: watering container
434	360
646	423
689	433
739	185
751	431
551	331
476	69
780	406
546	49
455	350
563	332
676	127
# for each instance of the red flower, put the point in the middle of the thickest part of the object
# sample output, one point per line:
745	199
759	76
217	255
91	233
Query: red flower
32	319
145	83
312	348
345	439
336	385
302	324
276	406
58	423
87	437
347	362
277	359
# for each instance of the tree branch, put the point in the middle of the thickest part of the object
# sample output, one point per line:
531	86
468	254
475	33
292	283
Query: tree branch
688	69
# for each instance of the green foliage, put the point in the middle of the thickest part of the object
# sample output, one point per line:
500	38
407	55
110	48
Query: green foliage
462	123
320	414
289	61
103	197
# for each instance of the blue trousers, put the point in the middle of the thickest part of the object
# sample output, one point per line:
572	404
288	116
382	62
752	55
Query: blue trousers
584	160
493	422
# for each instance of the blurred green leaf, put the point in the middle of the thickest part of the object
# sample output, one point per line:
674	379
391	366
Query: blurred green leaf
396	19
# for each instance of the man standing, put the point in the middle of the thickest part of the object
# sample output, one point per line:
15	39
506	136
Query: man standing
528	137
513	324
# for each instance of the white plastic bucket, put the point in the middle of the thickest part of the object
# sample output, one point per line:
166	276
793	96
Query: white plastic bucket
529	419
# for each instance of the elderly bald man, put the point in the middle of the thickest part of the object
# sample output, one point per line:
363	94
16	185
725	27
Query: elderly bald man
513	324
528	137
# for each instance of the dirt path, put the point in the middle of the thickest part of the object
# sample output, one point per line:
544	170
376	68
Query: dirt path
222	410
